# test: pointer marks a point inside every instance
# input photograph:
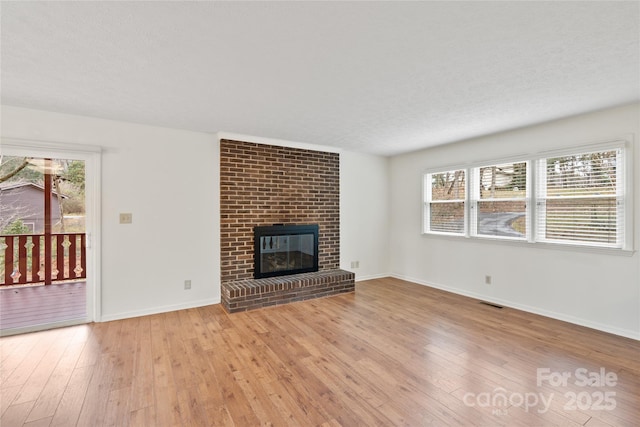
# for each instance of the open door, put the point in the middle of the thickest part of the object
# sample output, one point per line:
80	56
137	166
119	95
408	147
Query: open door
46	258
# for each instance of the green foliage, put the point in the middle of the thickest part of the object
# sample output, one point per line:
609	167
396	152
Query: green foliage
75	174
16	227
74	204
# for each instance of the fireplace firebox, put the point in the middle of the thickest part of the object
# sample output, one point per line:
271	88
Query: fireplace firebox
285	249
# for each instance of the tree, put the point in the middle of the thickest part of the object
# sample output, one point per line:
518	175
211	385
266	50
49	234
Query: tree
75	174
13	169
56	186
12	166
16	227
457	175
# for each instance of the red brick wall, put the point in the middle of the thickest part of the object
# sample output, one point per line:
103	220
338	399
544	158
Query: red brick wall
264	185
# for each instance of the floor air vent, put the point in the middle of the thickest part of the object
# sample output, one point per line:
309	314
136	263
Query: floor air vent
491	304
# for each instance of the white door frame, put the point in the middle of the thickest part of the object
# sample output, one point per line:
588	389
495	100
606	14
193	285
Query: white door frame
92	156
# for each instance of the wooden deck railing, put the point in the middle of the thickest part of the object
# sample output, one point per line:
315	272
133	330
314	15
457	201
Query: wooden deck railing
23	258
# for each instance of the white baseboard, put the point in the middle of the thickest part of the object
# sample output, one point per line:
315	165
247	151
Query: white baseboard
371	277
157	310
535	310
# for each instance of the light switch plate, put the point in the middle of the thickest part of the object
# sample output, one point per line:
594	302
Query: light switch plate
126	218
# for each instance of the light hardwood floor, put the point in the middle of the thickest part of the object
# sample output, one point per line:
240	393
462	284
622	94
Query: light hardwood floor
393	353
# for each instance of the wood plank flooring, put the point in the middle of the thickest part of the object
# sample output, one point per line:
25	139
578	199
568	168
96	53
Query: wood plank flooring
393	353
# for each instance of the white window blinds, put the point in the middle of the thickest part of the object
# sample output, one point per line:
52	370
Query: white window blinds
580	199
445	194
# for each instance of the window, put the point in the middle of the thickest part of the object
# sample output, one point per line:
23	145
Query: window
445	194
578	197
500	201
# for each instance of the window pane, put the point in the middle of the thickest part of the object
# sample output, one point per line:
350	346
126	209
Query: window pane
581	200
448	185
500	198
508	180
582	174
503	219
447	217
583	220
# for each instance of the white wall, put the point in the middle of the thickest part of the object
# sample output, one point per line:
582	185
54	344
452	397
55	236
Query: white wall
364	214
589	288
168	180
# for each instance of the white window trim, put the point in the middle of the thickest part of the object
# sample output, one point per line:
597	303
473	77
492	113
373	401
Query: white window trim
427	195
626	143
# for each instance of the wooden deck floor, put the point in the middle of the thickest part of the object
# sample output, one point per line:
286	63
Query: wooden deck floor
393	353
27	307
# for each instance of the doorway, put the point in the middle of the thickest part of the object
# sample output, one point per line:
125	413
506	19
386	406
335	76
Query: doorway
48	226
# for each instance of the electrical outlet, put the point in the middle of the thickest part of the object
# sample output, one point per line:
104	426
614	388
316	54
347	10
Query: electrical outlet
487	280
355	264
126	218
187	284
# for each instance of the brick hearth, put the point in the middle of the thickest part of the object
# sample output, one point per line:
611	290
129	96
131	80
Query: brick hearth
249	294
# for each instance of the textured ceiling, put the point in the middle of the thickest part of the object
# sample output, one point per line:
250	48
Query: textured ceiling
379	77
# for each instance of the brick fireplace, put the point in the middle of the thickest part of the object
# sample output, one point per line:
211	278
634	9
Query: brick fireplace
262	185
